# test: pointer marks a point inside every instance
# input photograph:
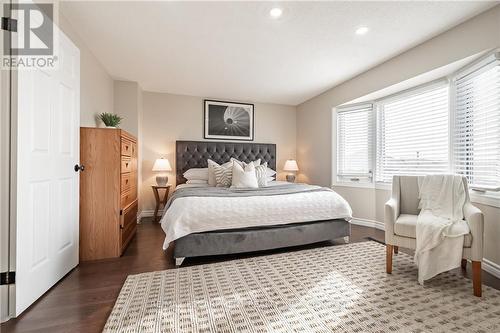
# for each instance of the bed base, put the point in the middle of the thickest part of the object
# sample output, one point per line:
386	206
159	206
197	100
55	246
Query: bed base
259	238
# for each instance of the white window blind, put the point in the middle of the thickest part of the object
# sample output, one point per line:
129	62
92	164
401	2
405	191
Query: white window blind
354	142
476	139
413	133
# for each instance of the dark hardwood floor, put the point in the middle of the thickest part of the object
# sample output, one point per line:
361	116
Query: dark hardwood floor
82	301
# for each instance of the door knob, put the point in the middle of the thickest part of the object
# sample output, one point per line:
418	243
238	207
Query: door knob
79	167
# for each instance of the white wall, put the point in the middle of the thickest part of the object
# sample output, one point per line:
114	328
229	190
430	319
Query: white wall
315	132
168	117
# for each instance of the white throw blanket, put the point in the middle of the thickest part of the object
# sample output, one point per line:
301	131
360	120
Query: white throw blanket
440	225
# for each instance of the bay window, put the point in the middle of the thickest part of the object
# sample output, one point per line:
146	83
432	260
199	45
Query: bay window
451	125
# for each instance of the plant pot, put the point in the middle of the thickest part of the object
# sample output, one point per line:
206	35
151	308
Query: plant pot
110	126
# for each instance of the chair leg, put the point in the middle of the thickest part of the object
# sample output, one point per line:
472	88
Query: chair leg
464	264
388	262
476	278
396	249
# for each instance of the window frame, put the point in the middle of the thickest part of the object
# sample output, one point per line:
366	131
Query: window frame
490	198
371	125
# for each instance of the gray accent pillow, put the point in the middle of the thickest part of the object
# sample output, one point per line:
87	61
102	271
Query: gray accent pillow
223	174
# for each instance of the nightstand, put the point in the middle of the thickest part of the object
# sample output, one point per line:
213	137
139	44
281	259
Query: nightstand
160	202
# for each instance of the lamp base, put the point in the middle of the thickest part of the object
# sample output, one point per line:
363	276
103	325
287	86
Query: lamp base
161	180
290	178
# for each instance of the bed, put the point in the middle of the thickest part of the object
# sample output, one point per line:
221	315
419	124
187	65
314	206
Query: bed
208	221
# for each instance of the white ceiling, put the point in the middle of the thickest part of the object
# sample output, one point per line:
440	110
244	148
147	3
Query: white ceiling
234	50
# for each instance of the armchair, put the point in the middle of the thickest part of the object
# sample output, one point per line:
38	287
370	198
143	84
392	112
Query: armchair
401	213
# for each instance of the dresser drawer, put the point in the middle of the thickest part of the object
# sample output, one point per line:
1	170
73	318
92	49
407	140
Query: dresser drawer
128	196
127	165
128	181
127	147
128	224
134	149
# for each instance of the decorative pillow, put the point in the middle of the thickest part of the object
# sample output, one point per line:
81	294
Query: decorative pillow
197	181
196	174
244	178
223	175
243	164
270	172
261	174
211	174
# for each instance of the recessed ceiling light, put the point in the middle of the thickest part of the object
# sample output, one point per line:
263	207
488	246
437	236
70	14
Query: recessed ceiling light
276	12
361	30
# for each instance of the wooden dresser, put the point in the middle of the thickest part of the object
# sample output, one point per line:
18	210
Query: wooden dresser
108	192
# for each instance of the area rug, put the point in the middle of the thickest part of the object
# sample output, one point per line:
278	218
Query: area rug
329	289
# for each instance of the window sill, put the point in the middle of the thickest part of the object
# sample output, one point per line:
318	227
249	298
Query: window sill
350	184
488	199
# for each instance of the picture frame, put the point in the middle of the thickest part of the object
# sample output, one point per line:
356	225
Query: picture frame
228	120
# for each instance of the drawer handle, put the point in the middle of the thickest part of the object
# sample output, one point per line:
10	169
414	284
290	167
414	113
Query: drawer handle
126	181
126	147
126	165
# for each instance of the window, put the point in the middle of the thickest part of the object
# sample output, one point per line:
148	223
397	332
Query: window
476	138
354	153
412	134
452	125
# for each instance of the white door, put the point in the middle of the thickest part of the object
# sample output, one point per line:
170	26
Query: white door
47	211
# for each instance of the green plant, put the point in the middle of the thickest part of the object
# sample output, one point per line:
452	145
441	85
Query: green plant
110	119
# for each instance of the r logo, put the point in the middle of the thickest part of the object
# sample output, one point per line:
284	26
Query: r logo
34	28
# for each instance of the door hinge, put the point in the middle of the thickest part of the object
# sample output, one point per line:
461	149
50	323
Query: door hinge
9	24
7	278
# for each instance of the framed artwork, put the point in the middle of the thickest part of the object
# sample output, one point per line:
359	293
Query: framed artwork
229	121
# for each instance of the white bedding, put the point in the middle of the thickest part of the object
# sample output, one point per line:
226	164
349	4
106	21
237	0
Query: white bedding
199	214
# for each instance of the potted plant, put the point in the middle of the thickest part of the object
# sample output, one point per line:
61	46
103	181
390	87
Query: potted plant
111	120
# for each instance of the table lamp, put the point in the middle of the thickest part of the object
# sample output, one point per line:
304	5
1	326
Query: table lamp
291	165
162	165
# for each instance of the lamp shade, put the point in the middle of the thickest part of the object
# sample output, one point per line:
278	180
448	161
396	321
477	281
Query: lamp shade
162	164
291	165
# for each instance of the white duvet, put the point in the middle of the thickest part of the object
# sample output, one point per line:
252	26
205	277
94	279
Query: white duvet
199	214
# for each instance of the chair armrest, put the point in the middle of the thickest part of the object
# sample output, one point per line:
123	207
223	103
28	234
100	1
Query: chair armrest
475	220
390	217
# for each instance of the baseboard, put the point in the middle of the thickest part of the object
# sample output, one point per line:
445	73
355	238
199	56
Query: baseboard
368	223
147	213
491	267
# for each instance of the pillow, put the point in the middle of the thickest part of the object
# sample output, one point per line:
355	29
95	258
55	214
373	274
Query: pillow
196	181
270	172
244	178
211	174
196	174
243	164
223	174
261	174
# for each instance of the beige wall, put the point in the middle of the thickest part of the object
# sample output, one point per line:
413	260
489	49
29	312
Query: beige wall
167	118
316	133
96	85
126	96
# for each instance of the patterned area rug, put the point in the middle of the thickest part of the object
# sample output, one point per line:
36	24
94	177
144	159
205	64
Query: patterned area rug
339	288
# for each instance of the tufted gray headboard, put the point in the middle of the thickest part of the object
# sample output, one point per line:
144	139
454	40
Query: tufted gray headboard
194	154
